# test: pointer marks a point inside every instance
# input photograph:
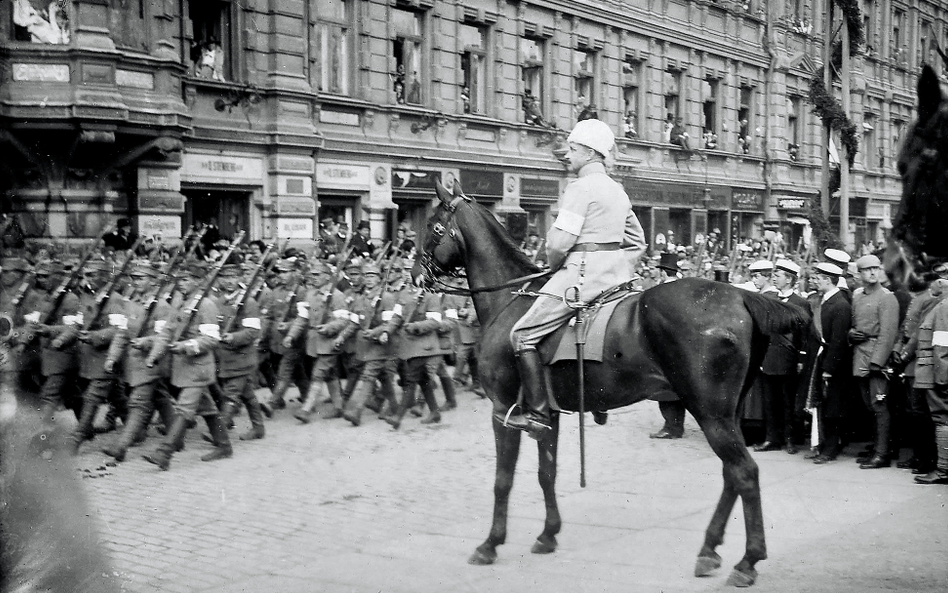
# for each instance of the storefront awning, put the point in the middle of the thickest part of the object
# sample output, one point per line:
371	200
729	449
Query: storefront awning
798	220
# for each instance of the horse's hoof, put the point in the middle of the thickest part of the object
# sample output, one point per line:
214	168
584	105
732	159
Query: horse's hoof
706	565
541	547
742	579
482	558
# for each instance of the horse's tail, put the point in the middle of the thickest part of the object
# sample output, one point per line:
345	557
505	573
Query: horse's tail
772	316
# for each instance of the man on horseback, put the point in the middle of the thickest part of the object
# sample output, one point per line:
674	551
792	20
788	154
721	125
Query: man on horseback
593	245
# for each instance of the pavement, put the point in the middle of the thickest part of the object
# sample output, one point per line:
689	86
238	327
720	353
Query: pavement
328	507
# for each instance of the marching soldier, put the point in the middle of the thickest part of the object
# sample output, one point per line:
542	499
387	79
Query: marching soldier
147	312
351	286
374	311
326	322
449	316
237	351
288	291
192	369
12	323
468	335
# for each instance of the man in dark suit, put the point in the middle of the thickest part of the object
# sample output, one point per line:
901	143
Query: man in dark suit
121	238
361	244
781	367
832	320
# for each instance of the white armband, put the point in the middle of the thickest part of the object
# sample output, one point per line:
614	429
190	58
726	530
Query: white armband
451	314
340	314
118	320
569	222
355	318
72	319
433	315
251	322
940	338
193	346
160	325
211	330
387	315
397	309
302	309
33	317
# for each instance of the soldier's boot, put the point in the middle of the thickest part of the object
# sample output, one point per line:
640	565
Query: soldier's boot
278	395
166	412
417	408
223	448
255	412
388	393
940	474
172	441
408	399
137	421
353	409
305	413
335	397
535	420
434	414
226	415
142	433
450	399
84	431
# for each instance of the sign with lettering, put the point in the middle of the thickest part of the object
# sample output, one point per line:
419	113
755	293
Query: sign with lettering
337	176
793	203
478	182
299	206
747	200
41	72
294	228
544	188
167	227
222	169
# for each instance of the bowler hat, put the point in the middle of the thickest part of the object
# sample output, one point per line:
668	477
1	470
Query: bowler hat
669	261
364	224
722	276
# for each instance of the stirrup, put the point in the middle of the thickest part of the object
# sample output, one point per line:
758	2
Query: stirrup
509	412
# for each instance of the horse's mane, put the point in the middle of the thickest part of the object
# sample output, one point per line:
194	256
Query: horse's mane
503	237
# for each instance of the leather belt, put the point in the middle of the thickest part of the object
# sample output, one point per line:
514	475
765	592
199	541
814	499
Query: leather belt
595	247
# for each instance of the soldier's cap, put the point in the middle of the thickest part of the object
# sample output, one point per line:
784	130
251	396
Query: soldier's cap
230	271
371	269
762	266
97	265
143	269
353	263
837	256
196	269
787	266
828	269
868	261
14	264
48	267
285	265
319	266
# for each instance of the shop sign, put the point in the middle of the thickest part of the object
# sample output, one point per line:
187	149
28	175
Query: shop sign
150	225
41	72
335	176
403	179
546	188
793	203
222	169
299	206
294	228
747	200
482	183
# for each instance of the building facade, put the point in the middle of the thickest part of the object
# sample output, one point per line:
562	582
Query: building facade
267	114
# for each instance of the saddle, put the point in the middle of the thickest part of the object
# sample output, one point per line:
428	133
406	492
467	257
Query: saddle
561	344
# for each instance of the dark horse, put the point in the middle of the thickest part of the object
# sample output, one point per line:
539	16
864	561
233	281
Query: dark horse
697	338
918	238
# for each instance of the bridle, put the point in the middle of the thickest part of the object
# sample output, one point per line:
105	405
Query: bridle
433	271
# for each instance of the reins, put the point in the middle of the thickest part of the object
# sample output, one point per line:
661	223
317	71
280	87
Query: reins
449	289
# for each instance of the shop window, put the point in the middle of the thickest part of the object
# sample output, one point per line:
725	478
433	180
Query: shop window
334	35
212	48
745	120
584	84
793	128
631	83
473	46
531	74
406	52
40	21
709	107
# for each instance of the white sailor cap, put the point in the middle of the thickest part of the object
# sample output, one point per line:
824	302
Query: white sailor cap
761	265
828	269
838	257
787	266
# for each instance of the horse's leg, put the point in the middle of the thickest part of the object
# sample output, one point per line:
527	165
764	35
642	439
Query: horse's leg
741	478
507	442
546	473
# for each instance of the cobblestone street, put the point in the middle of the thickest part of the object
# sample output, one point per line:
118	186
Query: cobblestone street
332	508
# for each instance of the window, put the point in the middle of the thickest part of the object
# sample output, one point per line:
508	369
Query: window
631	83
745	120
584	82
897	51
793	128
334	37
531	73
473	44
868	24
924	43
212	47
406	49
671	88
39	21
899	126
709	107
871	155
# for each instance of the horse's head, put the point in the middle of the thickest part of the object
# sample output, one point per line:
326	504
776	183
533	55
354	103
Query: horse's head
443	251
918	239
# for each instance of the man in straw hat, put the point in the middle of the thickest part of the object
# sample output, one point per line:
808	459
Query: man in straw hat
584	248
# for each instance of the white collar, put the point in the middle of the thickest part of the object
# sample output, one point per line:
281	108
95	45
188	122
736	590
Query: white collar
828	294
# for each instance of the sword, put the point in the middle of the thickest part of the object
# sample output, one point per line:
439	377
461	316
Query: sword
577	305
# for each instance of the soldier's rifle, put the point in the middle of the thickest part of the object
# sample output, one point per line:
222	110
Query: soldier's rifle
245	291
167	286
191	309
268	265
377	300
105	294
28	281
382	253
59	293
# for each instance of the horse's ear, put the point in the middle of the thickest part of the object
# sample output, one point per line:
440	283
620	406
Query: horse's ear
458	192
929	94
443	194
